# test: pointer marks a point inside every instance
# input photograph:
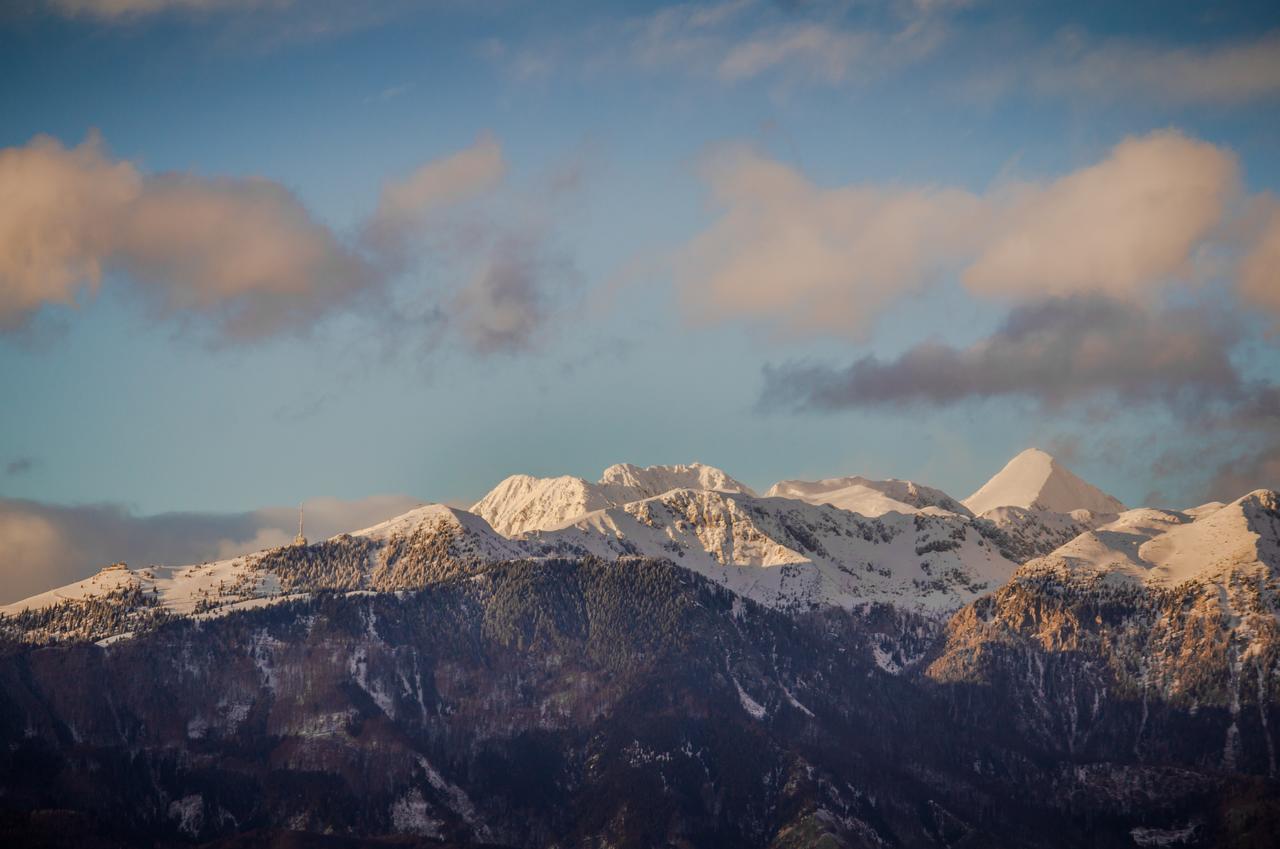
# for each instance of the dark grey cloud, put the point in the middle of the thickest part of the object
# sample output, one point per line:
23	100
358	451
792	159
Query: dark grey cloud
1052	351
511	298
1086	361
19	466
48	545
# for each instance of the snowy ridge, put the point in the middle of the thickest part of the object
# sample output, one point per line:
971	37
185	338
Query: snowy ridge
868	497
1166	547
524	503
841	541
794	555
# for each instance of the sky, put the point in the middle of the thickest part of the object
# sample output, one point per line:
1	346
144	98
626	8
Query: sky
255	253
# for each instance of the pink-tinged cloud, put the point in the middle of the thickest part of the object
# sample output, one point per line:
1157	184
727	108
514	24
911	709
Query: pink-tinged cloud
801	258
1124	225
406	204
243	251
1259	279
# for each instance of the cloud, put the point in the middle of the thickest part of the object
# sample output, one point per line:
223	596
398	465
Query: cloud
739	41
242	251
803	258
48	545
1259	279
407	204
818	52
509	299
1052	351
246	256
1128	223
19	466
118	9
1228	73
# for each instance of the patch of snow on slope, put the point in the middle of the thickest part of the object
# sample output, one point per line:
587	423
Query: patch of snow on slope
868	497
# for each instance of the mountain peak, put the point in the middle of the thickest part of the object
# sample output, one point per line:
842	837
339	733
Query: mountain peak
649	481
1034	479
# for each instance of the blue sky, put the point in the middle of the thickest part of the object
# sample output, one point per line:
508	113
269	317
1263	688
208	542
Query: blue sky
583	304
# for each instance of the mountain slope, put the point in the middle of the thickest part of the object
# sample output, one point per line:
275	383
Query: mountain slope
1156	606
792	554
574	704
1035	480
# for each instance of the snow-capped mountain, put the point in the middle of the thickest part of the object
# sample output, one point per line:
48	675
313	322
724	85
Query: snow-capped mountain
788	553
524	503
1037	481
868	497
1179	607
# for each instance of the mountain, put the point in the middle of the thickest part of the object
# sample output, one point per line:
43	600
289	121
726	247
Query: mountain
575	704
868	497
1158	632
424	545
646	665
522	503
791	554
1035	480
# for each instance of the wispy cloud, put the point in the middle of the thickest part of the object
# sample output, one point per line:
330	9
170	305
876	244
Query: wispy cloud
19	466
126	9
1216	74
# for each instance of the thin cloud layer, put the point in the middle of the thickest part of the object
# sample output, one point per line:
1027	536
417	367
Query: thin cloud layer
1229	73
48	545
118	9
802	258
1052	352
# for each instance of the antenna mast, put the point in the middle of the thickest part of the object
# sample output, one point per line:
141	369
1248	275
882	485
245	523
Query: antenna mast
300	539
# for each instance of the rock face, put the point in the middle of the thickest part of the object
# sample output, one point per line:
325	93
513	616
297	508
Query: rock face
571	704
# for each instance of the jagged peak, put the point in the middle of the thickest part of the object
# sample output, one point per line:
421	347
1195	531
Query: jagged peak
654	480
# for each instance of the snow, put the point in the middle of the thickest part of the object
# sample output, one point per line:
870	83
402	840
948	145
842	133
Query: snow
791	554
750	705
522	503
1167	547
1033	479
868	497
